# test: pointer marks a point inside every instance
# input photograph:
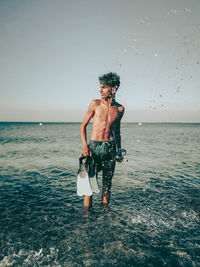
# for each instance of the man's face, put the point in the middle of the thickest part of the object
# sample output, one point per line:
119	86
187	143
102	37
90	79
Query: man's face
105	91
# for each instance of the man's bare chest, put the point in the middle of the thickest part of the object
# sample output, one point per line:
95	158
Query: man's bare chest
108	114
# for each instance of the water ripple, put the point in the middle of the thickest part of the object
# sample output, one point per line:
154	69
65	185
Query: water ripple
153	218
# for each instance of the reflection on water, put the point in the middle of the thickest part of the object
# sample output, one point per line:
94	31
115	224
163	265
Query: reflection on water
153	218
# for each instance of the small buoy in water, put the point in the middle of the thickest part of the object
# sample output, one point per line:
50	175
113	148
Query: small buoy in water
40	124
139	123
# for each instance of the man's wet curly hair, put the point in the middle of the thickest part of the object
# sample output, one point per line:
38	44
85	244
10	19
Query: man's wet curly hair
110	79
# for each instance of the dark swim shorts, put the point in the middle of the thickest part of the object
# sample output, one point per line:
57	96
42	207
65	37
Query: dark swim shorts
103	154
103	158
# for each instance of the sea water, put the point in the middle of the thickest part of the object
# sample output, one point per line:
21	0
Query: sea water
153	218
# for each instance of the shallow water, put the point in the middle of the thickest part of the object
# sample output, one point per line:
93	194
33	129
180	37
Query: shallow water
153	218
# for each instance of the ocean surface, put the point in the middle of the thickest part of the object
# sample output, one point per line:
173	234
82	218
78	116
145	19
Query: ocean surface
153	218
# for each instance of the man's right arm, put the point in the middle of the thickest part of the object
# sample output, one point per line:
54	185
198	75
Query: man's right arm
88	116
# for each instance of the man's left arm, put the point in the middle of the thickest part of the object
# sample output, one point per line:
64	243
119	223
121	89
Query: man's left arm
118	128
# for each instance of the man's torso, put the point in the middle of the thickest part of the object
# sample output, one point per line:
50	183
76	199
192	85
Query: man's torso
104	119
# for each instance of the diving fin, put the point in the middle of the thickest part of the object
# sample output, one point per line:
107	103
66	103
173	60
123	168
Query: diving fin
94	184
93	177
83	184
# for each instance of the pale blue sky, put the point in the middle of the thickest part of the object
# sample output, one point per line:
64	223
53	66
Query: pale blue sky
52	52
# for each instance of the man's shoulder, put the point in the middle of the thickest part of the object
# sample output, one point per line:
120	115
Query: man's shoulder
95	102
120	107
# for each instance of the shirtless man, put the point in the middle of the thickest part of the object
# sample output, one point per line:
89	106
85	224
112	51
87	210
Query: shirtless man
106	114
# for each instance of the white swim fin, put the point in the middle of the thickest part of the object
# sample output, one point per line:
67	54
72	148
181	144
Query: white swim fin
93	177
94	184
83	184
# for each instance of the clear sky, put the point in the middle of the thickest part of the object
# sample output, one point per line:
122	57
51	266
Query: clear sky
52	52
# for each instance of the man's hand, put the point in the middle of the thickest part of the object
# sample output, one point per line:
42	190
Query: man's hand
119	157
86	151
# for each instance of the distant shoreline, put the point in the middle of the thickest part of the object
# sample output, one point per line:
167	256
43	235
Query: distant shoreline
44	122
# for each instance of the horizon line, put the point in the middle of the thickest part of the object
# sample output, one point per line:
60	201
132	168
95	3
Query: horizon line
77	122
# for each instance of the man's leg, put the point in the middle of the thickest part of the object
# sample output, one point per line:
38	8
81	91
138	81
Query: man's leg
108	172
87	202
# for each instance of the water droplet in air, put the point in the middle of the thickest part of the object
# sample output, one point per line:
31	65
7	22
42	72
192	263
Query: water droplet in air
187	10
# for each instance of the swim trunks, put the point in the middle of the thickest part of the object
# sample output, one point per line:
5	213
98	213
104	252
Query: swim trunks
103	154
103	158
102	150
